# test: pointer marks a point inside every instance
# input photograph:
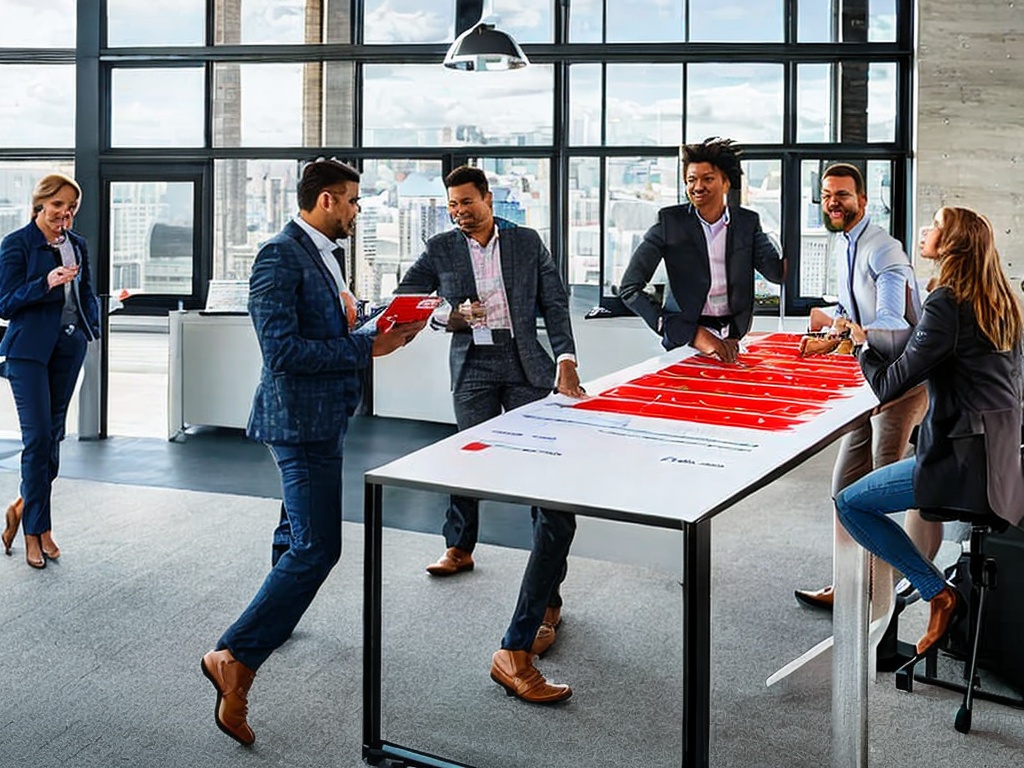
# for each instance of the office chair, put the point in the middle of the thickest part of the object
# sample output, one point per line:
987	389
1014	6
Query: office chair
982	573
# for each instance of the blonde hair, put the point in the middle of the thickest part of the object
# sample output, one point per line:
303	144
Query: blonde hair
50	185
969	266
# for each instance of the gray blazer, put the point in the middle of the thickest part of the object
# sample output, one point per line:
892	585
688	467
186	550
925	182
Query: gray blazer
968	449
532	285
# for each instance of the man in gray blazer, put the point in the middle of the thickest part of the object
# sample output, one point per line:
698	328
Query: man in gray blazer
710	251
877	290
498	277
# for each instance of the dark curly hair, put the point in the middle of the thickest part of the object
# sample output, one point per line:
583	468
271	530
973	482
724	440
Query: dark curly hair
723	154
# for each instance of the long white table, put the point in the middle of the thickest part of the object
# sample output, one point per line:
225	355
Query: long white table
552	455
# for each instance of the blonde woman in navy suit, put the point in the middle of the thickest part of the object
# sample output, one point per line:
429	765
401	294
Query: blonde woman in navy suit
46	293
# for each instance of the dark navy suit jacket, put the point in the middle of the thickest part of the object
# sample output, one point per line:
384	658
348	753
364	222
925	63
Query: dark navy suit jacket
678	239
532	286
309	382
27	301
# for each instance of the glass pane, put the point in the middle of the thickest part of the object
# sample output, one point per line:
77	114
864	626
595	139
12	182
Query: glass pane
881	102
151	225
878	179
252	201
637	188
37	105
28	24
261	105
427	105
585	21
251	22
815	22
585	104
882	21
157	107
156	22
404	204
528	21
584	221
737	101
817	272
814	103
741	21
644	104
641	21
762	192
17	180
409	21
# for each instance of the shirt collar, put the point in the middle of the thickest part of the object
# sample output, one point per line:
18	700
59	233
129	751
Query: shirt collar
723	221
854	234
323	243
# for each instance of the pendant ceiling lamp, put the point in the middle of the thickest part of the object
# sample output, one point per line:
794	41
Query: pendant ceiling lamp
482	47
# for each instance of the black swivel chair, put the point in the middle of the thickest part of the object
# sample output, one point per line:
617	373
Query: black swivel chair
982	570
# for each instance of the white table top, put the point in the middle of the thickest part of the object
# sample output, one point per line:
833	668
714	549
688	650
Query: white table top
649	470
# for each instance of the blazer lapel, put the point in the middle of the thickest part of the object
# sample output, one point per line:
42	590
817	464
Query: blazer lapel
507	250
462	263
697	233
313	253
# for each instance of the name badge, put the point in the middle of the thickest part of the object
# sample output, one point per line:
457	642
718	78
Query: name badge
482	336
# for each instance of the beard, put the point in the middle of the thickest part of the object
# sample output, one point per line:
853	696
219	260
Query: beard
848	216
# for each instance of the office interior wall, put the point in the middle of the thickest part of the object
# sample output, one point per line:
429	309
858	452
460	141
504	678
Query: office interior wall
970	143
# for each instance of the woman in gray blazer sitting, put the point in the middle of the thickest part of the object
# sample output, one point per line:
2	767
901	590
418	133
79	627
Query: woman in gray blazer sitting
967	347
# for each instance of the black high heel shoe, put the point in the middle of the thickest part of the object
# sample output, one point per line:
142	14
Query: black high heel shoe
41	562
12	521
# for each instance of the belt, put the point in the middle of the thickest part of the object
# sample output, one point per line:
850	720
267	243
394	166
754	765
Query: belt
69	329
715	321
501	335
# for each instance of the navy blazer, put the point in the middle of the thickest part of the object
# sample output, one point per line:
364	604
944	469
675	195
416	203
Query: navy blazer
30	304
532	286
968	448
678	239
309	382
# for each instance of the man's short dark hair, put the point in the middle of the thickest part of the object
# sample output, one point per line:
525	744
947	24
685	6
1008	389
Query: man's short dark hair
321	174
467	174
847	171
723	154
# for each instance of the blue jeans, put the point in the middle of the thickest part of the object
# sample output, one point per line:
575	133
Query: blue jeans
311	493
42	392
864	508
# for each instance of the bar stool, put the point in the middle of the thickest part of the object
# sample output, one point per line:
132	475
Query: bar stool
982	571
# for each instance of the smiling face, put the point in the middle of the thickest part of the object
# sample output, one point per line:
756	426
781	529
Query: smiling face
841	206
472	212
706	187
57	212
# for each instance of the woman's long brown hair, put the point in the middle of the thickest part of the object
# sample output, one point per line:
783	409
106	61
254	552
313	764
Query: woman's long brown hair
969	266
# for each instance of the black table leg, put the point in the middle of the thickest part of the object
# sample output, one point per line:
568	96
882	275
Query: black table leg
696	643
372	517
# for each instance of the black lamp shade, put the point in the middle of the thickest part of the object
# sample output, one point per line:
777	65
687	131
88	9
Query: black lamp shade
484	48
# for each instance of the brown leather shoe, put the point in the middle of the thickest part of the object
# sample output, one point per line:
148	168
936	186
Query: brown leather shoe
452	561
514	671
822	599
945	608
50	549
546	634
11	522
232	680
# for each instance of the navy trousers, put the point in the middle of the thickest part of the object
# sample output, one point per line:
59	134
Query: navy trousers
311	492
42	392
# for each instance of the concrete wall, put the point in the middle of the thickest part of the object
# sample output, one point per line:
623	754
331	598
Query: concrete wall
970	126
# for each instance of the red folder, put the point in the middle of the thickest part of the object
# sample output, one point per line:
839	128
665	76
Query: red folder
407	308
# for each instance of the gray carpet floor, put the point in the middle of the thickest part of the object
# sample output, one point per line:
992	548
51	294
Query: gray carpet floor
103	648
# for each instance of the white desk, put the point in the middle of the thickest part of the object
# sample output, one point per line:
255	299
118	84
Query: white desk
551	455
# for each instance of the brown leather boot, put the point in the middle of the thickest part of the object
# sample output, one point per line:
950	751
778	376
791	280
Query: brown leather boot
232	680
546	634
452	561
514	671
11	522
945	607
822	598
